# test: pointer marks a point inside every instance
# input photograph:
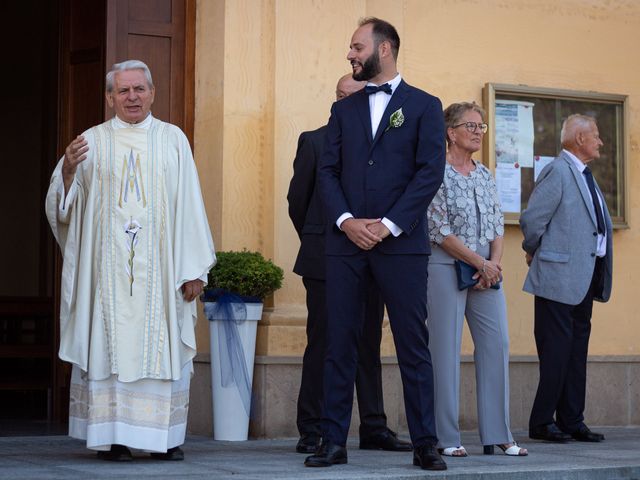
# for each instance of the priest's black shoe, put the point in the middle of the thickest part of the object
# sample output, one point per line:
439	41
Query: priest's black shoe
173	454
584	434
387	440
118	453
549	433
328	454
308	443
428	458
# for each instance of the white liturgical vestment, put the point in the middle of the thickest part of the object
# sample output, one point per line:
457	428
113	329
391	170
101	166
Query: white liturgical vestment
132	230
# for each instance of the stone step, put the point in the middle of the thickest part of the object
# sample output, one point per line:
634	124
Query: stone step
60	457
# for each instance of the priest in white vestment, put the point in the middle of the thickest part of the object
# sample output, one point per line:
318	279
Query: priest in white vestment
126	208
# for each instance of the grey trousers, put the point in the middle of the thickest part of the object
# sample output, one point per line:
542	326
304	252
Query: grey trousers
486	315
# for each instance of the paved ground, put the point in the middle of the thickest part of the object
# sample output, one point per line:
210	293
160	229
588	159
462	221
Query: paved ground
60	457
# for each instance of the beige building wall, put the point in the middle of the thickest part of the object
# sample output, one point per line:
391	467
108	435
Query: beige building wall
266	71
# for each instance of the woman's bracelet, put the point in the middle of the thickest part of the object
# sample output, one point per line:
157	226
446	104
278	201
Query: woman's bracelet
484	263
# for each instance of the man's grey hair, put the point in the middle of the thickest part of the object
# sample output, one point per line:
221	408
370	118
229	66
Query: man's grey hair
572	125
128	65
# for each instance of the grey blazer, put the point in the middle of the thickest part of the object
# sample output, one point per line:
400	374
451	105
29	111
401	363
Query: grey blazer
559	227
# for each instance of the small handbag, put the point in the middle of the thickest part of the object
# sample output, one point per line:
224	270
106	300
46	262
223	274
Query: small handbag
465	273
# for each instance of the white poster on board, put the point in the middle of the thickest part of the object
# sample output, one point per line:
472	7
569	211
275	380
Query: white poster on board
539	162
514	133
508	181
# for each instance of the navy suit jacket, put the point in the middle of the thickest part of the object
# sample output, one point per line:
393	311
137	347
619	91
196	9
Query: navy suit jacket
394	175
305	206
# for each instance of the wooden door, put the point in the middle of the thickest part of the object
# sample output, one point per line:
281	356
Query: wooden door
62	63
81	103
27	319
161	33
83	47
99	33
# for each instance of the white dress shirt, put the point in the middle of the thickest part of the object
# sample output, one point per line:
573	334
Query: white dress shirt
601	249
377	105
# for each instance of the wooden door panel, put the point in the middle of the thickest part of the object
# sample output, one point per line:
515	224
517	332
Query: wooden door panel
82	68
86	25
85	81
156	52
151	11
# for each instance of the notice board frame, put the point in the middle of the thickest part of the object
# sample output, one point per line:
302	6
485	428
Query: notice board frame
610	170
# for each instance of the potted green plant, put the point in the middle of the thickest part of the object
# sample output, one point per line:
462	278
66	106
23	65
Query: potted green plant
233	301
246	274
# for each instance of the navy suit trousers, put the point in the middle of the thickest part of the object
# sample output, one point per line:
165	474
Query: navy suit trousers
402	282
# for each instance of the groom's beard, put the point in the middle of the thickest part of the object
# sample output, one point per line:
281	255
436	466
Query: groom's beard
370	68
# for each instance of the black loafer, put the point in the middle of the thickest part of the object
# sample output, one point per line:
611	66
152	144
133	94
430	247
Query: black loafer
549	433
586	435
328	454
118	453
174	454
387	440
308	443
428	458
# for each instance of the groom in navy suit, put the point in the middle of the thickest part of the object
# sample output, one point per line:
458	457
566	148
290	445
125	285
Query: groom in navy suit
307	214
383	163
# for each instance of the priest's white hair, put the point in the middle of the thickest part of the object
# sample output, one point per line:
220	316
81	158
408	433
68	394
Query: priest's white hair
127	65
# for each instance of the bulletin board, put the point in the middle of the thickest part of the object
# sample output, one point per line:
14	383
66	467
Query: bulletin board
524	136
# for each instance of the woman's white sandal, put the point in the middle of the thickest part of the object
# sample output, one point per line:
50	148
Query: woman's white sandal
453	451
512	451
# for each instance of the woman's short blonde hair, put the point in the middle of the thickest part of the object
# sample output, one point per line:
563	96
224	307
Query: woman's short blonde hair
454	112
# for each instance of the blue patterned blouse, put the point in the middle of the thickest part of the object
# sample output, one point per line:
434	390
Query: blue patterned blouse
467	207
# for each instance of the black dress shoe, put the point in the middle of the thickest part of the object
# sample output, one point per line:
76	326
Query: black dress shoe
118	453
328	454
584	434
428	458
308	443
549	433
387	440
173	454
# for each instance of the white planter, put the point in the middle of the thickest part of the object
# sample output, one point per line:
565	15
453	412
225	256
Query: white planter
230	420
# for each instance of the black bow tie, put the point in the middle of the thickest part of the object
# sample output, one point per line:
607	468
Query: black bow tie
385	87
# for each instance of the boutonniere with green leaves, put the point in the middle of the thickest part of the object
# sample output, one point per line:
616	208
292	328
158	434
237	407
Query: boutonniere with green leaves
396	119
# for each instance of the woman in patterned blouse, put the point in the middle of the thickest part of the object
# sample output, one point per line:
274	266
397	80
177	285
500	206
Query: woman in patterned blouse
466	224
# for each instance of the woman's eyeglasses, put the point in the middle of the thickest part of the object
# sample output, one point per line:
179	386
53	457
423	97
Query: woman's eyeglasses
473	126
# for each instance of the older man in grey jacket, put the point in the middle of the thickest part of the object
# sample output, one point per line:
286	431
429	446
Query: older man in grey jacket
568	244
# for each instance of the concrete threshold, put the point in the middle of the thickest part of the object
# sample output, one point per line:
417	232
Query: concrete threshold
60	457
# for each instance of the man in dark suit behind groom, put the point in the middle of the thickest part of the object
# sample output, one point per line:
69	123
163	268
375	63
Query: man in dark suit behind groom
569	247
383	163
309	220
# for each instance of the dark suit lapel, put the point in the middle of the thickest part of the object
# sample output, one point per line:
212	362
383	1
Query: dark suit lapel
584	191
397	99
362	104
